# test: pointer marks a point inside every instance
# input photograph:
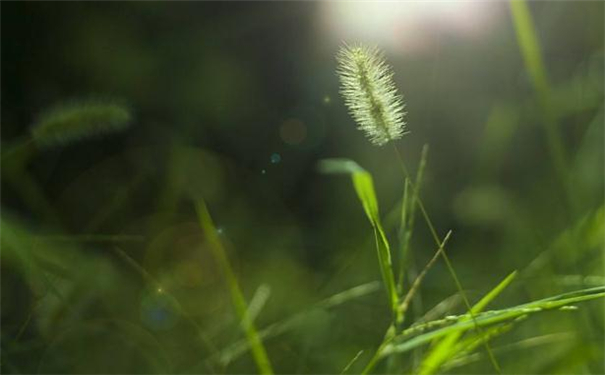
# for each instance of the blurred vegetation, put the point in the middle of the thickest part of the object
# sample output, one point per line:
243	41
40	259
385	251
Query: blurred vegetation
125	249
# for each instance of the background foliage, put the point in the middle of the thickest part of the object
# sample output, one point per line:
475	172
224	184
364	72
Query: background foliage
105	268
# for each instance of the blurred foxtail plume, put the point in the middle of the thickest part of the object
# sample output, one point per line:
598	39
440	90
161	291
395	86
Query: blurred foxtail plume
67	122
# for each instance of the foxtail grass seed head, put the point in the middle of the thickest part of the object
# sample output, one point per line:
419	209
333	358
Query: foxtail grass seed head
69	122
370	93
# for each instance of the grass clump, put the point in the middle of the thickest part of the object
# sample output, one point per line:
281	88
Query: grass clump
372	99
376	106
194	306
241	307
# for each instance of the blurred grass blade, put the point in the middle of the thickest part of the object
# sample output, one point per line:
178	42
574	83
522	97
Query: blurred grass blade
32	195
82	238
258	350
502	122
235	350
351	362
157	286
527	39
467	346
445	349
531	342
585	238
255	306
258	301
529	45
364	187
16	244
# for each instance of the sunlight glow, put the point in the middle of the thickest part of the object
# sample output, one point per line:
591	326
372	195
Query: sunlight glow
411	26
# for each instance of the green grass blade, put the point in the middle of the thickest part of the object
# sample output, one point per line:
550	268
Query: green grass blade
416	284
403	236
238	348
400	344
364	187
417	185
444	255
258	350
445	349
466	346
351	362
408	214
258	300
482	304
529	44
531	342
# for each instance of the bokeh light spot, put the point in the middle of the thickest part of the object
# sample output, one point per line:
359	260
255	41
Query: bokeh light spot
275	158
190	274
293	131
159	311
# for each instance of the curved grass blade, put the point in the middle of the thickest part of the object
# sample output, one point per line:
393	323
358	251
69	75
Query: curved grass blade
463	323
531	342
238	348
446	348
364	187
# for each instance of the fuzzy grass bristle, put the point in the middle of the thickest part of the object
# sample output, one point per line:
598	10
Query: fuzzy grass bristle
370	93
69	122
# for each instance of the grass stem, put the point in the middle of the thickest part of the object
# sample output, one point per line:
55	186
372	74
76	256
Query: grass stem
258	350
444	256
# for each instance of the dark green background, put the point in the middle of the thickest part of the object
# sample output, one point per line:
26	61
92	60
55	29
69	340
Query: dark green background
210	85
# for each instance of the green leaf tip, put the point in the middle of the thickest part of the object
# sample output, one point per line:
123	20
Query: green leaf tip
370	94
69	122
364	187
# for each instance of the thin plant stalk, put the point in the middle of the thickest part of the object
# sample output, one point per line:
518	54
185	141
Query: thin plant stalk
529	45
403	307
416	284
408	216
258	350
445	257
370	93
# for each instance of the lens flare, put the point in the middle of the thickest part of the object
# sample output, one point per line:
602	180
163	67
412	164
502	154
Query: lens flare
413	27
